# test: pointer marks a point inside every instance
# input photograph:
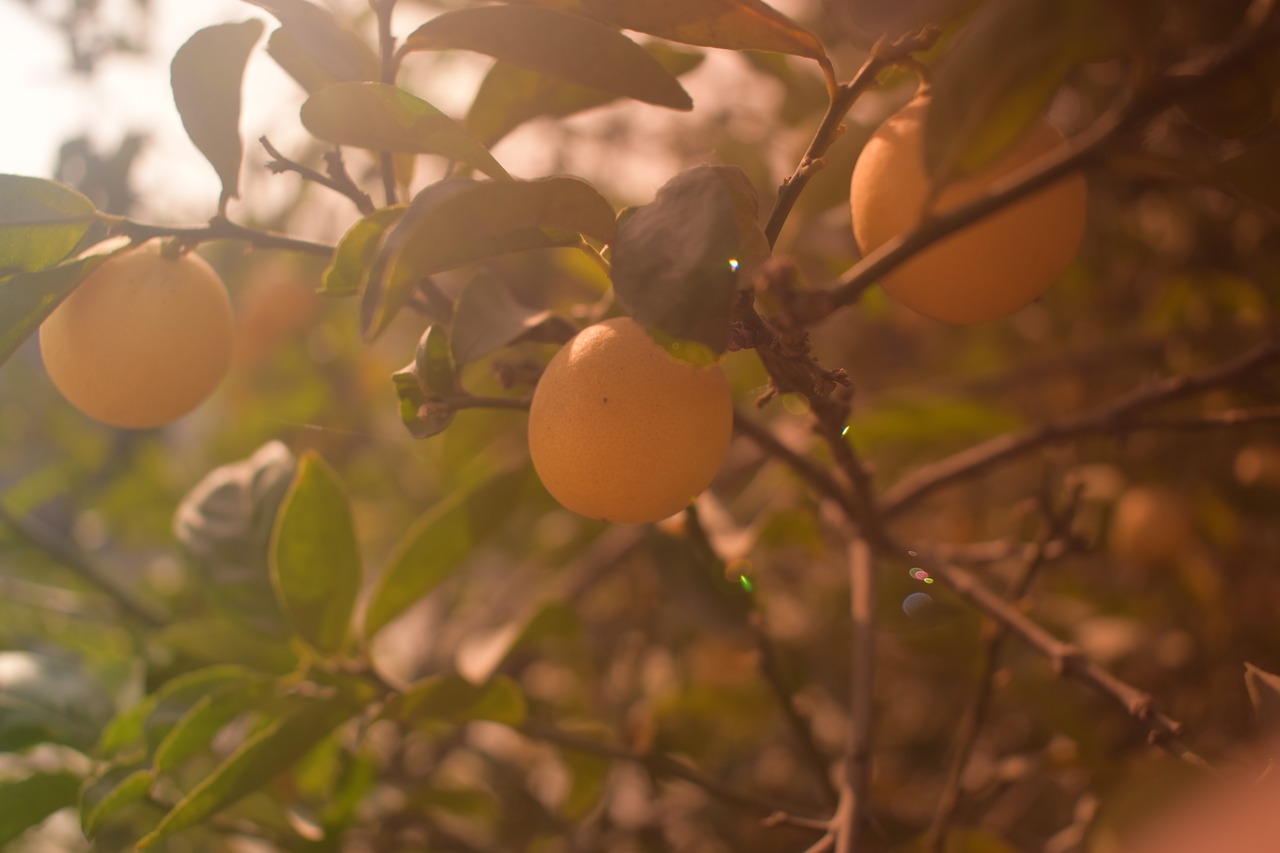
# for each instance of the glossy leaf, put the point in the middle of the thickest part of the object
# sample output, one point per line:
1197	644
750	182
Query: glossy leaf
434	364
570	47
1000	74
315	564
48	699
314	47
458	221
27	802
40	223
269	752
487	317
207	75
509	96
382	117
450	698
355	252
731	24
26	299
676	261
436	546
104	797
431	375
202	722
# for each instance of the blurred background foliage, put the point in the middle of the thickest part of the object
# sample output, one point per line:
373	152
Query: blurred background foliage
645	638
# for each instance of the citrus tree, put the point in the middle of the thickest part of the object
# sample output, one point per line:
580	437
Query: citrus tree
902	473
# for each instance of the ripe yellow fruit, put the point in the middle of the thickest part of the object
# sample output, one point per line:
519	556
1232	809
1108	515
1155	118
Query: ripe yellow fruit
986	270
143	340
621	430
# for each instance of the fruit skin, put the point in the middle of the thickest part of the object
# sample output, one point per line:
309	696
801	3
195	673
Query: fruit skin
143	340
622	431
986	270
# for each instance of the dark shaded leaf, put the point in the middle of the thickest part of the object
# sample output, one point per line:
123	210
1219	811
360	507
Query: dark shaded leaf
105	796
1000	74
566	46
315	564
27	299
434	365
450	698
420	385
458	221
382	117
487	317
511	96
1264	695
730	24
41	221
270	751
27	802
207	74
48	699
676	261
436	546
354	255
314	41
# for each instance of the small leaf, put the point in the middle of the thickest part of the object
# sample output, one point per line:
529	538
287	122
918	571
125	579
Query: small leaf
487	317
27	299
315	564
676	260
48	699
422	415
382	117
355	252
436	546
40	223
105	796
207	74
434	365
458	221
450	698
314	47
27	802
166	707
575	49
510	96
730	24
202	722
1000	74
1264	695
265	755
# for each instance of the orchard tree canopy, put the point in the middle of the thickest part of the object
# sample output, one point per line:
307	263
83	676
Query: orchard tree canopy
641	425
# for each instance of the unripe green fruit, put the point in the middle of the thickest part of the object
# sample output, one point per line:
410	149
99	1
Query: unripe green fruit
621	430
143	340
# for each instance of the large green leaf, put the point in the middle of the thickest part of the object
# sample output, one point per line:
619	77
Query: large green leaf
382	117
450	698
40	223
355	252
458	221
676	261
315	48
27	802
26	299
167	706
204	719
270	751
315	564
105	796
1000	74
48	699
572	48
436	546
731	24
207	74
510	95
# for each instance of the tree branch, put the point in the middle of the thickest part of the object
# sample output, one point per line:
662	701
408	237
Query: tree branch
217	229
337	180
856	785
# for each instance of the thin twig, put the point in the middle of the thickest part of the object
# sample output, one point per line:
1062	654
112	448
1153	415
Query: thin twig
1114	416
857	764
337	180
217	229
469	401
809	471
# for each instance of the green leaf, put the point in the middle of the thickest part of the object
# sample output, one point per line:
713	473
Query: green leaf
382	117
40	223
314	48
676	261
167	706
355	252
458	221
572	48
27	299
27	802
1000	74
269	752
450	698
207	74
436	546
48	699
430	376
487	317
204	719
730	24
105	796
510	95
315	564
433	363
